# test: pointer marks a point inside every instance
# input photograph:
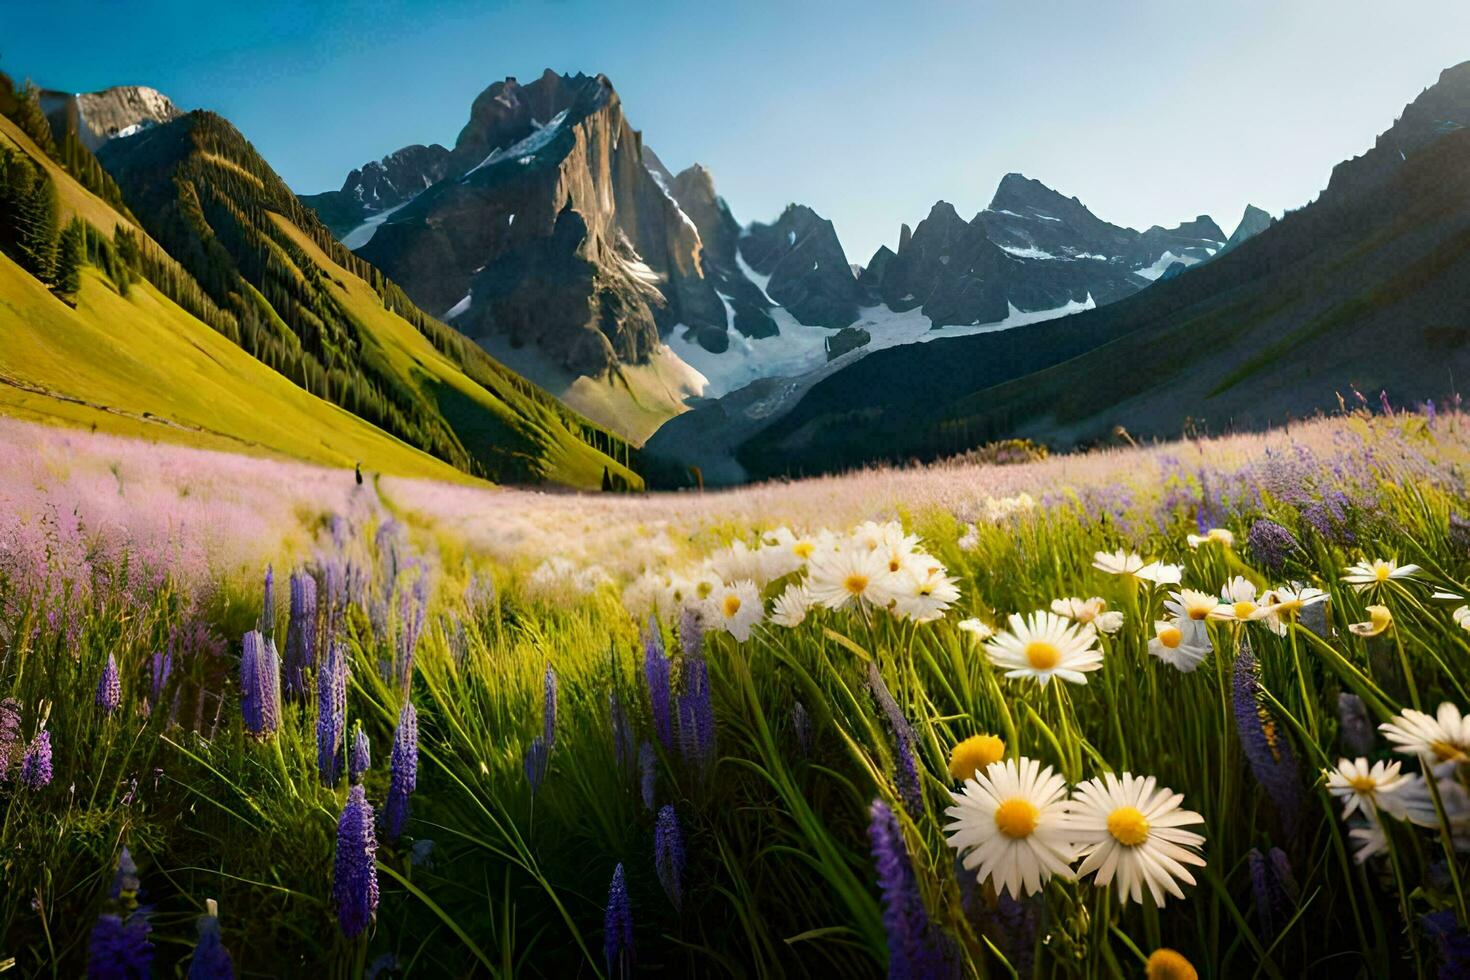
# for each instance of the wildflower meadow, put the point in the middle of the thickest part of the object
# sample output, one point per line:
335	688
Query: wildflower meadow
1187	710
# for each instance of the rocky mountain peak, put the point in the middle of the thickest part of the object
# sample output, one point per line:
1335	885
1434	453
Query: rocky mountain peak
112	113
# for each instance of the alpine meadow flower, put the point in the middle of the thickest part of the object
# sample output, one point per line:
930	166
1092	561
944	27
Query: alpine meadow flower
850	576
1182	644
1358	785
617	940
1009	825
1168	964
1462	618
977	630
360	759
1128	828
1118	562
1379	619
109	687
301	634
260	686
1273	889
1442	739
1365	575
331	717
1215	535
668	854
921	591
1044	646
1191	604
789	609
1089	612
656	674
35	765
1281	606
1271	757
211	960
1159	573
1239	601
355	873
735	608
119	948
1271	544
974	755
403	769
916	947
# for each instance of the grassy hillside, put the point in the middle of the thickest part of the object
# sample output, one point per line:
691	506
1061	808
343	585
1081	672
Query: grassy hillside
328	321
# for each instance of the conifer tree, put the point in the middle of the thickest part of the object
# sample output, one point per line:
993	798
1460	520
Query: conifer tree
37	226
69	257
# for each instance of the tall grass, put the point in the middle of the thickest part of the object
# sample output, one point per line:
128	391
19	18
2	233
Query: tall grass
493	878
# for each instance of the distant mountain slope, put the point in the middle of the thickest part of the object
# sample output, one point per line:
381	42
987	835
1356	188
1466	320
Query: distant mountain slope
112	113
1369	285
208	198
378	187
140	365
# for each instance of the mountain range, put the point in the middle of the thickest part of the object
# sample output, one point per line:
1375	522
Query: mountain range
535	300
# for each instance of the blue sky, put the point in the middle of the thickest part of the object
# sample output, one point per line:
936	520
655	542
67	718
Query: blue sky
868	110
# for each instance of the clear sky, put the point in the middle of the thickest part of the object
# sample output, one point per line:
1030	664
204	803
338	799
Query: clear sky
1150	111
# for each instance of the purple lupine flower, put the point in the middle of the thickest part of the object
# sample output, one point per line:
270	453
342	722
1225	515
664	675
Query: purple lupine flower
548	718
1274	890
211	960
801	724
355	873
1452	942
1272	760
1017	921
412	604
625	746
691	632
125	881
403	771
538	760
656	673
268	606
646	773
909	785
617	940
1270	544
915	947
12	746
119	948
109	687
301	634
1354	729
35	766
668	853
696	715
162	665
331	716
260	686
361	757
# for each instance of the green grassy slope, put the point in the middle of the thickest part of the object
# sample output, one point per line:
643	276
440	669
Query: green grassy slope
333	324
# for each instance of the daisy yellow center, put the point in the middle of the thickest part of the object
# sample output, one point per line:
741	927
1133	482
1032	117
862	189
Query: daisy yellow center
1382	572
803	549
1016	818
1446	751
704	589
894	564
975	754
1244	609
1199	611
1363	784
1287	606
1166	964
1128	826
1042	655
731	605
1170	637
856	584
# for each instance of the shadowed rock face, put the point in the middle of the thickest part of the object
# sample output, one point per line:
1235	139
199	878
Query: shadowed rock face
809	273
1252	223
379	185
109	114
552	172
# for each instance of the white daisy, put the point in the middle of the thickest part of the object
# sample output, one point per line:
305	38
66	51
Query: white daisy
1371	840
1462	617
1216	535
735	608
1370	575
1191	604
1412	801
1089	611
1239	601
979	631
921	595
1160	574
1043	646
1279	607
641	596
1443	738
1128	828
1358	785
969	539
737	562
1182	644
847	576
872	536
1118	562
1009	826
790	607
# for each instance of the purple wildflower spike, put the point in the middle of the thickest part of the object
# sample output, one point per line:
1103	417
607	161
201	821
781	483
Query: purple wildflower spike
668	853
1272	760
355	874
109	687
119	948
915	947
260	686
35	766
331	719
301	634
646	773
617	943
361	758
403	768
211	960
656	672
